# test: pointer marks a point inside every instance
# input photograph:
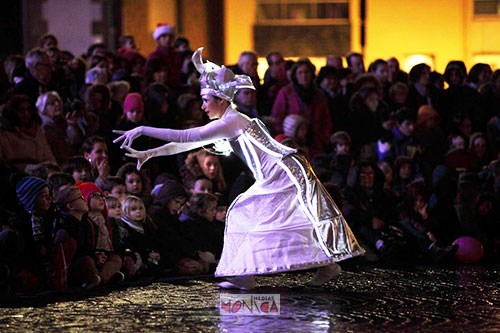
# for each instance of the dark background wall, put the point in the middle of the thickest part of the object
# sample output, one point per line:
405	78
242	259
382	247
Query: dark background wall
11	36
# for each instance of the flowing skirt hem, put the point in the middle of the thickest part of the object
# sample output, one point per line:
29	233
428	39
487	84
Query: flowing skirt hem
291	268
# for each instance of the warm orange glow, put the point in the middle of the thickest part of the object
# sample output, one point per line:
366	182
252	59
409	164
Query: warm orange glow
317	61
406	63
492	59
440	31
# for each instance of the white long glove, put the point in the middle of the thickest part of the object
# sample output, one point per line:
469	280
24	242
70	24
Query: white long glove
171	148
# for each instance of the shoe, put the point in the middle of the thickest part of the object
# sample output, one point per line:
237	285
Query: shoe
325	274
92	282
117	278
239	282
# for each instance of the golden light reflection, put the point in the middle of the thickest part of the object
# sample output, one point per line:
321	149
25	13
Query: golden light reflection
492	59
317	61
414	59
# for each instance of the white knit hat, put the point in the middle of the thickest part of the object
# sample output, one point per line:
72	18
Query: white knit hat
96	75
291	123
163	29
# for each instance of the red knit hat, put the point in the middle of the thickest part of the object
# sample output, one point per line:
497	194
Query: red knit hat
280	137
87	188
133	101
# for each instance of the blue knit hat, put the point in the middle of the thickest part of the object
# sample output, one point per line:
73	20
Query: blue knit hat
27	190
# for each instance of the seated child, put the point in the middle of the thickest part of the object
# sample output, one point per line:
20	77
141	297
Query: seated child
79	168
141	234
201	185
200	228
108	262
341	142
222	207
74	214
184	257
418	223
59	181
41	261
296	127
132	261
115	187
136	182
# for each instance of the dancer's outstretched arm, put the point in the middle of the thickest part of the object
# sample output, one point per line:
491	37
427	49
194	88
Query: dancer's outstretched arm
171	148
215	130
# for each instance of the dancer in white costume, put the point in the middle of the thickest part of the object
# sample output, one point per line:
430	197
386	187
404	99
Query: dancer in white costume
286	220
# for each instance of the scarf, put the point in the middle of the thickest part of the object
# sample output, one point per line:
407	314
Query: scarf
103	238
135	225
37	228
306	95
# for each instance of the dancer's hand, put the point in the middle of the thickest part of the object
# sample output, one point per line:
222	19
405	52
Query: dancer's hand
142	156
128	136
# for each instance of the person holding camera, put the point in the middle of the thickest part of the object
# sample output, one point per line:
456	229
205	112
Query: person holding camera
60	127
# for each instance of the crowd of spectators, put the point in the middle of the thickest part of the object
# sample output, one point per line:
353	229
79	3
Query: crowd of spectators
412	159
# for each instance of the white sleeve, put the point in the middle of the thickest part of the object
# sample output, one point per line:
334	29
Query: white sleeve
223	128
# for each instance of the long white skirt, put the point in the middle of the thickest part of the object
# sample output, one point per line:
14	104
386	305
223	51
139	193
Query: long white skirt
269	228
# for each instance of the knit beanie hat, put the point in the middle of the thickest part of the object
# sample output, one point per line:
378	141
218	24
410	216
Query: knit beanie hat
159	181
94	75
162	29
133	101
87	188
170	190
291	123
28	189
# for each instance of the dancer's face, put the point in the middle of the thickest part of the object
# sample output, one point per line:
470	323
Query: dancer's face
213	106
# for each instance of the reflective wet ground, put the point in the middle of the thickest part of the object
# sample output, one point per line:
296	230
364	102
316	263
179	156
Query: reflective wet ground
365	298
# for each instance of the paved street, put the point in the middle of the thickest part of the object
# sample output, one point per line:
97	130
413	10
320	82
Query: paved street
365	298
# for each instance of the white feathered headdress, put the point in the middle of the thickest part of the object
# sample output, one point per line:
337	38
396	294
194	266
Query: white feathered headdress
219	80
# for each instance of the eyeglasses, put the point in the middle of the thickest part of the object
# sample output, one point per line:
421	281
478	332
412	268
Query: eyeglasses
80	197
96	195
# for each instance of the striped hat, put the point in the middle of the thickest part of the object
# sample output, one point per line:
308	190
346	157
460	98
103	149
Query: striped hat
27	190
291	123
